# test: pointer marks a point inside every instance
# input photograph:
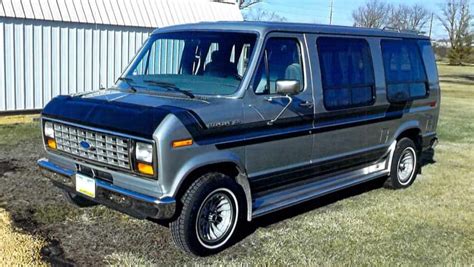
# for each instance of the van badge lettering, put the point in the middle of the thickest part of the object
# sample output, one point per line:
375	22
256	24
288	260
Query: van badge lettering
223	124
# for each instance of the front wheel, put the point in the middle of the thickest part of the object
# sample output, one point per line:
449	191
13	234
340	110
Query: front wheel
404	165
212	208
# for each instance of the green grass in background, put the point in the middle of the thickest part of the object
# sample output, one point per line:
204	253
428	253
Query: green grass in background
16	134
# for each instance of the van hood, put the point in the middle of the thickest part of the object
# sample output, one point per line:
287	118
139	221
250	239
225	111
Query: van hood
129	113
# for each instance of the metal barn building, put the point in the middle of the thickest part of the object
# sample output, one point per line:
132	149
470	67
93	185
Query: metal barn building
52	47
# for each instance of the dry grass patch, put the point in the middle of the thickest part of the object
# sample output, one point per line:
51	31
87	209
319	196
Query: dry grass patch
15	119
17	248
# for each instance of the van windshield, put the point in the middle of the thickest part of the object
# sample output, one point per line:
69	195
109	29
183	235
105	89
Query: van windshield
203	63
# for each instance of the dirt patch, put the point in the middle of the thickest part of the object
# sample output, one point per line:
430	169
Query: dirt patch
53	253
17	248
7	167
24	221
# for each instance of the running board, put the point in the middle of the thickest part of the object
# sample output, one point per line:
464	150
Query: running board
295	195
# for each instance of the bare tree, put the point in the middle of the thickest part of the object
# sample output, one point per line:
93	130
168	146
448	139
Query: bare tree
397	17
259	14
456	20
373	14
242	3
247	3
404	17
418	17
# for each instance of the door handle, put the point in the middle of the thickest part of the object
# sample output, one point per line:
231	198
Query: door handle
306	104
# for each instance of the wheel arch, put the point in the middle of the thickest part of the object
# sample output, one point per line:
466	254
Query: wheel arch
413	133
226	164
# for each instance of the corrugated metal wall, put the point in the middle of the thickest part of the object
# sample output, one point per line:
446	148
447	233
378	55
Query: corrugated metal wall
139	13
41	59
51	47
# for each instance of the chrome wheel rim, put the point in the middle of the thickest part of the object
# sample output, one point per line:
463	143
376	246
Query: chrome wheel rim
406	165
216	218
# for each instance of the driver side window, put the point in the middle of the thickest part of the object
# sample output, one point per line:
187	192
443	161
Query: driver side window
281	60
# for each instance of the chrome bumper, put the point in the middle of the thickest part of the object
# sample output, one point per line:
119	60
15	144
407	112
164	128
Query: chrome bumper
124	200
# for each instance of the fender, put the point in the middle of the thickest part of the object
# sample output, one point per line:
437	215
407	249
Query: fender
197	156
408	125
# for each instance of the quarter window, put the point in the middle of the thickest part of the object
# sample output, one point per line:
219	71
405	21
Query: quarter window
405	75
346	71
281	61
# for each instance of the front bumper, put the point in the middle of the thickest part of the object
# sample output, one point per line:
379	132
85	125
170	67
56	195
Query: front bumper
132	203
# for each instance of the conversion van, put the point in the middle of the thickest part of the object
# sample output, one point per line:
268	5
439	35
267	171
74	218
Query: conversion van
215	124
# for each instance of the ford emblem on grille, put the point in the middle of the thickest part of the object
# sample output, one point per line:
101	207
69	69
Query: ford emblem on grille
85	145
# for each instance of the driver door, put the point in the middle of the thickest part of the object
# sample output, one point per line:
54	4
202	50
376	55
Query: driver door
274	151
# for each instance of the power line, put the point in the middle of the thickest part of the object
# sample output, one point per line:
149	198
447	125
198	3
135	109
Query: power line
330	12
431	22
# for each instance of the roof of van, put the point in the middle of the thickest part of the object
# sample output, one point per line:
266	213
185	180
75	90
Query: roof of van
265	27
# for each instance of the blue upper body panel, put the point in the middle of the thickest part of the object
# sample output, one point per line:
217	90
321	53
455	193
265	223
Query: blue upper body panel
133	114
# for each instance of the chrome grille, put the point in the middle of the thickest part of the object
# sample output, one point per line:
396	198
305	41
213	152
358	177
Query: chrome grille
104	148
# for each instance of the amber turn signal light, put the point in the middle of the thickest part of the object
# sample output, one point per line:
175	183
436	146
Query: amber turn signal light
182	143
52	143
145	168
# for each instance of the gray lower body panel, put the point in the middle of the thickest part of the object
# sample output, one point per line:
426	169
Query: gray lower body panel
287	197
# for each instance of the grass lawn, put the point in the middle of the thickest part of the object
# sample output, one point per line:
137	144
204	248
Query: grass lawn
431	223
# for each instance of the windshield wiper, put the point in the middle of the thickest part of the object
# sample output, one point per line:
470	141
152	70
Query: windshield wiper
128	82
171	87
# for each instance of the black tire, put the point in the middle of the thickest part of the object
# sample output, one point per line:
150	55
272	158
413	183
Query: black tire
403	175
78	201
202	194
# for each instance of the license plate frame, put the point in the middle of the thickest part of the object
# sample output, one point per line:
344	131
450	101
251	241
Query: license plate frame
85	185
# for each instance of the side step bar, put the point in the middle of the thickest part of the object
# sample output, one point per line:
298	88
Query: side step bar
292	196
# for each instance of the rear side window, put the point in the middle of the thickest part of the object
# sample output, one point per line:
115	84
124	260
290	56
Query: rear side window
347	72
405	74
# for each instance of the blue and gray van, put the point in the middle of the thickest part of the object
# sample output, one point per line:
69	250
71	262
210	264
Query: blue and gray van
215	124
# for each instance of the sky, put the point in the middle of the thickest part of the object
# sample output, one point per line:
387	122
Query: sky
317	11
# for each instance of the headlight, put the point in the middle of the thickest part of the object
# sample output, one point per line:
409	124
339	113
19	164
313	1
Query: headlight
48	130
144	152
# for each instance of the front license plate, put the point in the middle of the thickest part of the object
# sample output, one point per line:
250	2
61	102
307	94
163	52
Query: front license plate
85	185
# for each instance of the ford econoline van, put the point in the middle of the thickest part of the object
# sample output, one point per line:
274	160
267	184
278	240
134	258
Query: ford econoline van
215	124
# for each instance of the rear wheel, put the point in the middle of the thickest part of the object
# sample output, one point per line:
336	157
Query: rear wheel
405	165
78	201
212	208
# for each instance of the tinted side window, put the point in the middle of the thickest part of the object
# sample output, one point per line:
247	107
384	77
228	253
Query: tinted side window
405	74
347	72
284	63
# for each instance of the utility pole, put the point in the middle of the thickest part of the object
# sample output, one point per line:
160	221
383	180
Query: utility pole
330	11
431	22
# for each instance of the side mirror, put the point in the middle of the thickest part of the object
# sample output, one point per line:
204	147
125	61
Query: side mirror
288	87
285	89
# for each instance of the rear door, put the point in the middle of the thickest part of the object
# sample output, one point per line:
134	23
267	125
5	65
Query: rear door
345	104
